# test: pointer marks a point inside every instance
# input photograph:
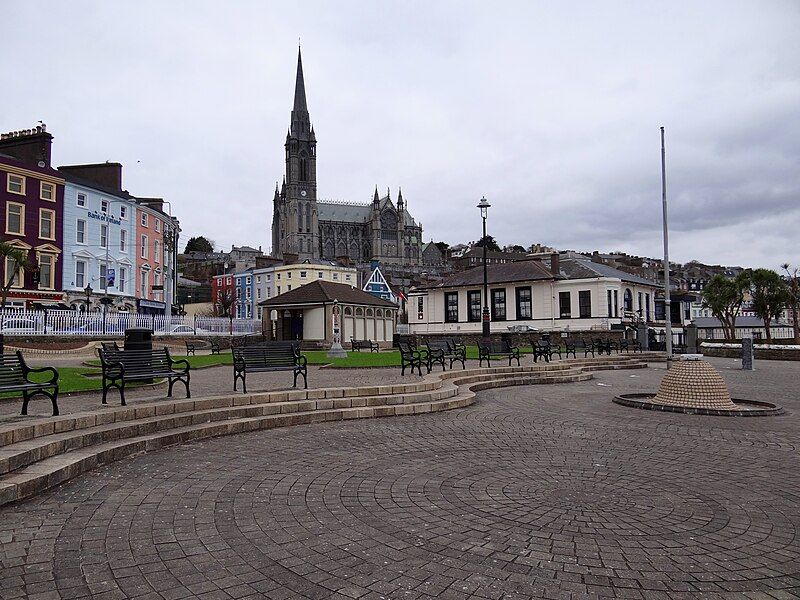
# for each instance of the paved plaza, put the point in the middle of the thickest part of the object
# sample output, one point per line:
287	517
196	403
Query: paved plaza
548	491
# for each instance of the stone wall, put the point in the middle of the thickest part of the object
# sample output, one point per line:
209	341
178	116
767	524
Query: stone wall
760	353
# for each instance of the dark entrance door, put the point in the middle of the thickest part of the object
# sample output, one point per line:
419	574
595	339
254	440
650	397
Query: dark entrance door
296	327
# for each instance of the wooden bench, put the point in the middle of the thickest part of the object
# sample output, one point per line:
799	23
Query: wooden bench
541	349
587	347
628	345
497	350
358	345
266	357
411	356
14	378
193	347
120	366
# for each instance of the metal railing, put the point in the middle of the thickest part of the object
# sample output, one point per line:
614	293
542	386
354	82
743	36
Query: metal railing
73	323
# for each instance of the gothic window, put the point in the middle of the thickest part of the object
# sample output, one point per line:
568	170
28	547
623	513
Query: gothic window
303	167
299	217
308	217
388	226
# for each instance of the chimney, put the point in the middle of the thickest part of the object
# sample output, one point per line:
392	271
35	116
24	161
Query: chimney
555	264
107	175
30	146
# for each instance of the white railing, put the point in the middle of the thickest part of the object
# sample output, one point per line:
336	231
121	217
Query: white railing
72	323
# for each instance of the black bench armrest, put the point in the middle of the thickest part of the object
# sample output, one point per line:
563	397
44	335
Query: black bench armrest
181	361
300	360
27	370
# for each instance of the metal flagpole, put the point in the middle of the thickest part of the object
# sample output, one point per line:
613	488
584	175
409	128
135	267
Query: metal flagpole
667	301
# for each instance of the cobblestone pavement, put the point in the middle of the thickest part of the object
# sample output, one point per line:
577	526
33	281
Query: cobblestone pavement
540	491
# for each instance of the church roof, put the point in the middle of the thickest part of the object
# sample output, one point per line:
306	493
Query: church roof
355	213
350	213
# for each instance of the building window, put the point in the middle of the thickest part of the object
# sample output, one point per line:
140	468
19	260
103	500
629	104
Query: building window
47	220
15	184
628	299
229	281
279	289
143	285
616	303
585	304
248	293
18	277
144	219
289	275
258	293
47	191
319	274
143	248
564	305
335	276
15	218
610	303
103	273
451	307
123	240
498	305
47	271
80	231
156	250
258	278
157	225
81	199
474	306
123	212
248	280
123	278
103	236
420	308
103	206
524	305
80	274
347	277
303	274
647	307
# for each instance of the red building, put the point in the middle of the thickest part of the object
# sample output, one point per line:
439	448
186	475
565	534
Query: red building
223	294
32	196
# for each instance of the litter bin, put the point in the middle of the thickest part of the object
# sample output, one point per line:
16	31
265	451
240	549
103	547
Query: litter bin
139	338
2	343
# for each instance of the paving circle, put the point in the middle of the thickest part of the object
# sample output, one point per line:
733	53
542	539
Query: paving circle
535	491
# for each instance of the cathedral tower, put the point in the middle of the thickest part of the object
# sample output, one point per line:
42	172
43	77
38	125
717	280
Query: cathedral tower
295	228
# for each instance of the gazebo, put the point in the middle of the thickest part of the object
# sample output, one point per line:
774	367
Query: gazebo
306	313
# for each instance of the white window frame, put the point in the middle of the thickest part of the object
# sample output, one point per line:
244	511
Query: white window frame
143	220
104	227
80	199
156	249
78	238
123	212
123	240
104	206
20	179
143	250
80	283
122	279
157	225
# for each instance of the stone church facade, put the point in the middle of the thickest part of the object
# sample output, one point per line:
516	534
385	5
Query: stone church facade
302	225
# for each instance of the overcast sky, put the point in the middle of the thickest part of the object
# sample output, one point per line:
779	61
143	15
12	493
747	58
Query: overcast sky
550	109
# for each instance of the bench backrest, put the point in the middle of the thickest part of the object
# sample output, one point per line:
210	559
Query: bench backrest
109	346
494	347
268	354
405	348
138	361
11	371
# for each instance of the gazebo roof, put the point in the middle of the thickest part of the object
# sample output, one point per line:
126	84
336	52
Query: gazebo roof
325	292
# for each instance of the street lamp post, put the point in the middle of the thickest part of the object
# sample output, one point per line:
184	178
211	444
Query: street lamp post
667	299
484	206
88	292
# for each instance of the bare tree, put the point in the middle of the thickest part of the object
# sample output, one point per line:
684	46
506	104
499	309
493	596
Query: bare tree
794	298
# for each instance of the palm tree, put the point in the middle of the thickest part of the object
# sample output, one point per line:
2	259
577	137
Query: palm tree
10	254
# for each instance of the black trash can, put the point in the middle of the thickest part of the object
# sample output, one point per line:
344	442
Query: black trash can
139	338
2	343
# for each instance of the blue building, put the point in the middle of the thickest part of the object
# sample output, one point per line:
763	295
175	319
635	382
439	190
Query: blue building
99	239
244	283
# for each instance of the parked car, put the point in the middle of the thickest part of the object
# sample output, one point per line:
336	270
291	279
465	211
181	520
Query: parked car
12	324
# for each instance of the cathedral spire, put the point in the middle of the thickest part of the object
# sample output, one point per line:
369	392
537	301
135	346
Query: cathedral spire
376	199
301	121
400	203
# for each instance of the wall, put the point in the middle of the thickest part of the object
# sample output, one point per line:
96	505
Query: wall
314	324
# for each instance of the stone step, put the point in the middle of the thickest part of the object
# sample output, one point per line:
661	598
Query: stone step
55	470
20	454
44	454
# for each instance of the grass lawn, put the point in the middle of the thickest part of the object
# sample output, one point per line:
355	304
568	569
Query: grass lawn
354	359
195	362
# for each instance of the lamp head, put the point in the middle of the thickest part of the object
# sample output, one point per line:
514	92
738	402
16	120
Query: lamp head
484	206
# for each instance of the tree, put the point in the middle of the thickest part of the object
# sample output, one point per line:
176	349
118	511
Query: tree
724	297
517	248
794	298
490	243
199	244
11	255
770	296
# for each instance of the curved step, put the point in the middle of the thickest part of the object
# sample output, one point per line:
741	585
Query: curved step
37	456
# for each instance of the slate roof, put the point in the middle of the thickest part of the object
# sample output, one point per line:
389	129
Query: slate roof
574	268
713	322
319	292
523	270
354	212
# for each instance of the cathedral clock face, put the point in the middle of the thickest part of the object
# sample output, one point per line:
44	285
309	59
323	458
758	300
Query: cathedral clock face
303	193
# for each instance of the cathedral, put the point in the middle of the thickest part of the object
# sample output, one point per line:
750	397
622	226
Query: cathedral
380	230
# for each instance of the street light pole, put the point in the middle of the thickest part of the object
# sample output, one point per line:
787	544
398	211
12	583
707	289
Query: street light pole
485	325
667	300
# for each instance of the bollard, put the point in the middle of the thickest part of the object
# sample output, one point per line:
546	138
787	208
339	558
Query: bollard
748	353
